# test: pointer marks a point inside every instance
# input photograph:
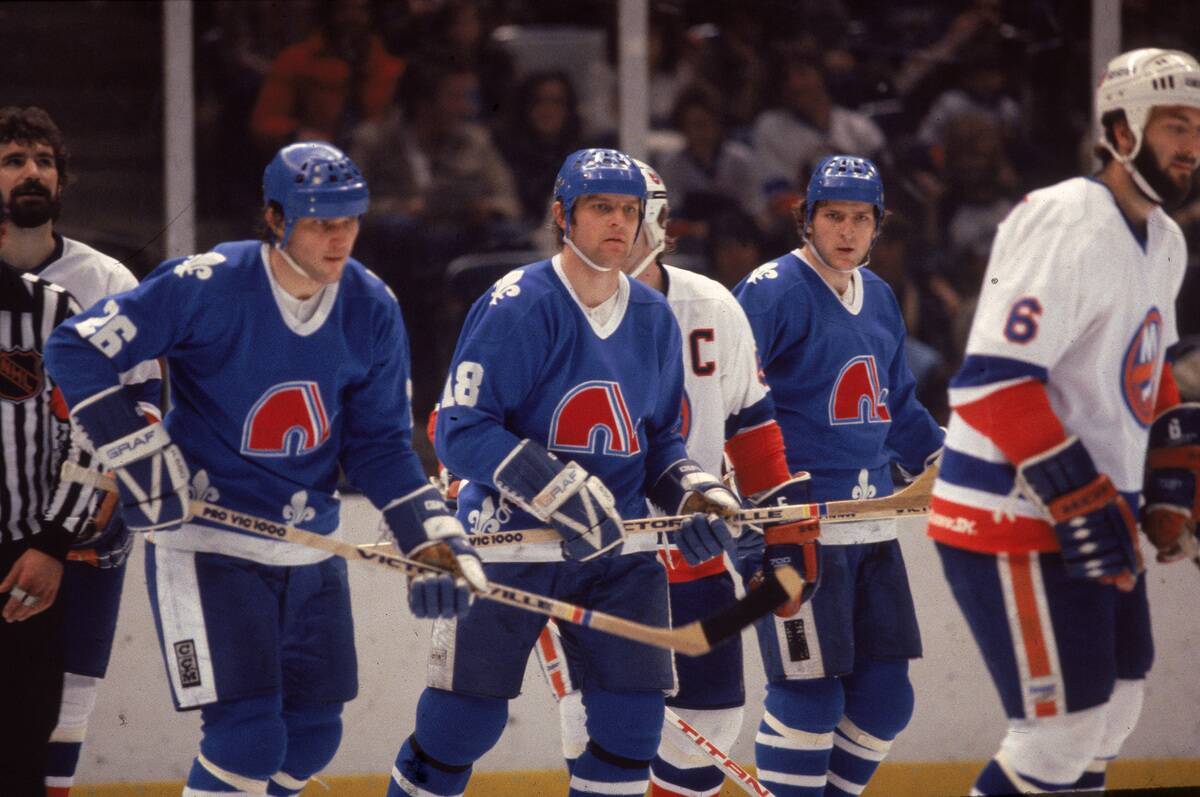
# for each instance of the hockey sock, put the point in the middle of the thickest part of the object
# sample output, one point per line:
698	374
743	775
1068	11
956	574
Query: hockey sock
453	732
795	737
599	771
314	732
1094	778
879	704
681	768
243	744
62	757
855	757
998	777
670	781
624	729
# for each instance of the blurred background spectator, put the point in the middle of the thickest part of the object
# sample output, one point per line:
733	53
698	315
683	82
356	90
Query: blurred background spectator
541	128
461	111
319	89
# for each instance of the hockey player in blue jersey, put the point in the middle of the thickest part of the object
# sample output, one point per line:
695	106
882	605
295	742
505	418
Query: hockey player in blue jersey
287	358
562	407
727	412
831	340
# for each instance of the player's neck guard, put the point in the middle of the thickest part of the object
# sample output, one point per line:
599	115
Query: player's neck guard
587	260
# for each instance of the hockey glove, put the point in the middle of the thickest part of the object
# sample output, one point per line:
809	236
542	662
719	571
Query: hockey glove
1095	527
1173	483
425	530
578	506
106	540
794	543
152	475
685	488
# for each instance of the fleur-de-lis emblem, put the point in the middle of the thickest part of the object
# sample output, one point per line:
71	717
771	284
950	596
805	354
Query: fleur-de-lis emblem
199	266
864	489
764	272
507	285
201	489
298	511
489	516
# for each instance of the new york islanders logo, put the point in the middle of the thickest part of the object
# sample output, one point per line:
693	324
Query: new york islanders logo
857	396
594	419
288	420
1139	382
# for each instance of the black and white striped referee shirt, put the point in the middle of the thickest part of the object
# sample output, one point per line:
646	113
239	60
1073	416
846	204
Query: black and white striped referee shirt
35	434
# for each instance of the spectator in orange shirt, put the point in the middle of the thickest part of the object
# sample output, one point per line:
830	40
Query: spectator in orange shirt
322	87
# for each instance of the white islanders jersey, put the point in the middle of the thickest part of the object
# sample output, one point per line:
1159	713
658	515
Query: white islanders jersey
1074	298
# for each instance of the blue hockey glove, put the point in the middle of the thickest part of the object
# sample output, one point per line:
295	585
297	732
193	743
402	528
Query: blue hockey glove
578	506
1096	529
1173	483
150	470
685	488
796	542
424	530
701	537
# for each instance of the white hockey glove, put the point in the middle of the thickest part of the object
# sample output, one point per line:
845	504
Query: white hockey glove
152	475
578	506
1173	483
425	530
686	488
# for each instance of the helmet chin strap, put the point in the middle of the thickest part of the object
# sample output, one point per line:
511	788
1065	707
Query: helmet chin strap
651	256
291	263
817	252
587	260
1138	179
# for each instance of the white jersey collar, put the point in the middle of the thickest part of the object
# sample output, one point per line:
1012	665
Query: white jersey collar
852	300
302	316
608	315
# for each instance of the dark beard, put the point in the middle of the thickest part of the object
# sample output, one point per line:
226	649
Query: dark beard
1173	194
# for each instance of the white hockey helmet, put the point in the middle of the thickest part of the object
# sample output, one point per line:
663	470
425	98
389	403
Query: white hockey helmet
1135	82
654	217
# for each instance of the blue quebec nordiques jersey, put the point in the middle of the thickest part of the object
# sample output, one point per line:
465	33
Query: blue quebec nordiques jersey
264	407
529	364
844	394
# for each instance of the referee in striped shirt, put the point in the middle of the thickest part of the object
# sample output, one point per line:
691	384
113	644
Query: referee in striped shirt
40	516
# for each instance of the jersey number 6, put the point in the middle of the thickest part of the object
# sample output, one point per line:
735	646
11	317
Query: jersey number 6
1022	324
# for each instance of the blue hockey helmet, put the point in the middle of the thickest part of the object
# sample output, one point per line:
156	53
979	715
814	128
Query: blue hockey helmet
314	179
844	178
598	171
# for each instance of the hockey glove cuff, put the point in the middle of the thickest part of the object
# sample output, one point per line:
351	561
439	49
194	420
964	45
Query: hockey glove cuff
578	506
794	543
152	475
1095	527
685	487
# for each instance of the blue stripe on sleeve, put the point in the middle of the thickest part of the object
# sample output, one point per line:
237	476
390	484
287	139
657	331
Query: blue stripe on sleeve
981	369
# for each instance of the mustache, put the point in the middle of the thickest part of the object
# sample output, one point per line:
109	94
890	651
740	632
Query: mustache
31	188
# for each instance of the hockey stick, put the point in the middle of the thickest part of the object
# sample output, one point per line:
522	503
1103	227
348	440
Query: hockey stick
693	639
561	688
747	782
912	500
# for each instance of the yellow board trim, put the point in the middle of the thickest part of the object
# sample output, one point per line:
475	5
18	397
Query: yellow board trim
894	779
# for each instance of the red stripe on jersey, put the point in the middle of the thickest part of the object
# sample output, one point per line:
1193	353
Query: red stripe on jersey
679	571
1168	390
758	458
976	529
558	684
1018	419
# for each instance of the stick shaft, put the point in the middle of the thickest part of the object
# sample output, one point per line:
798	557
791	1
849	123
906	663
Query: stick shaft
689	639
